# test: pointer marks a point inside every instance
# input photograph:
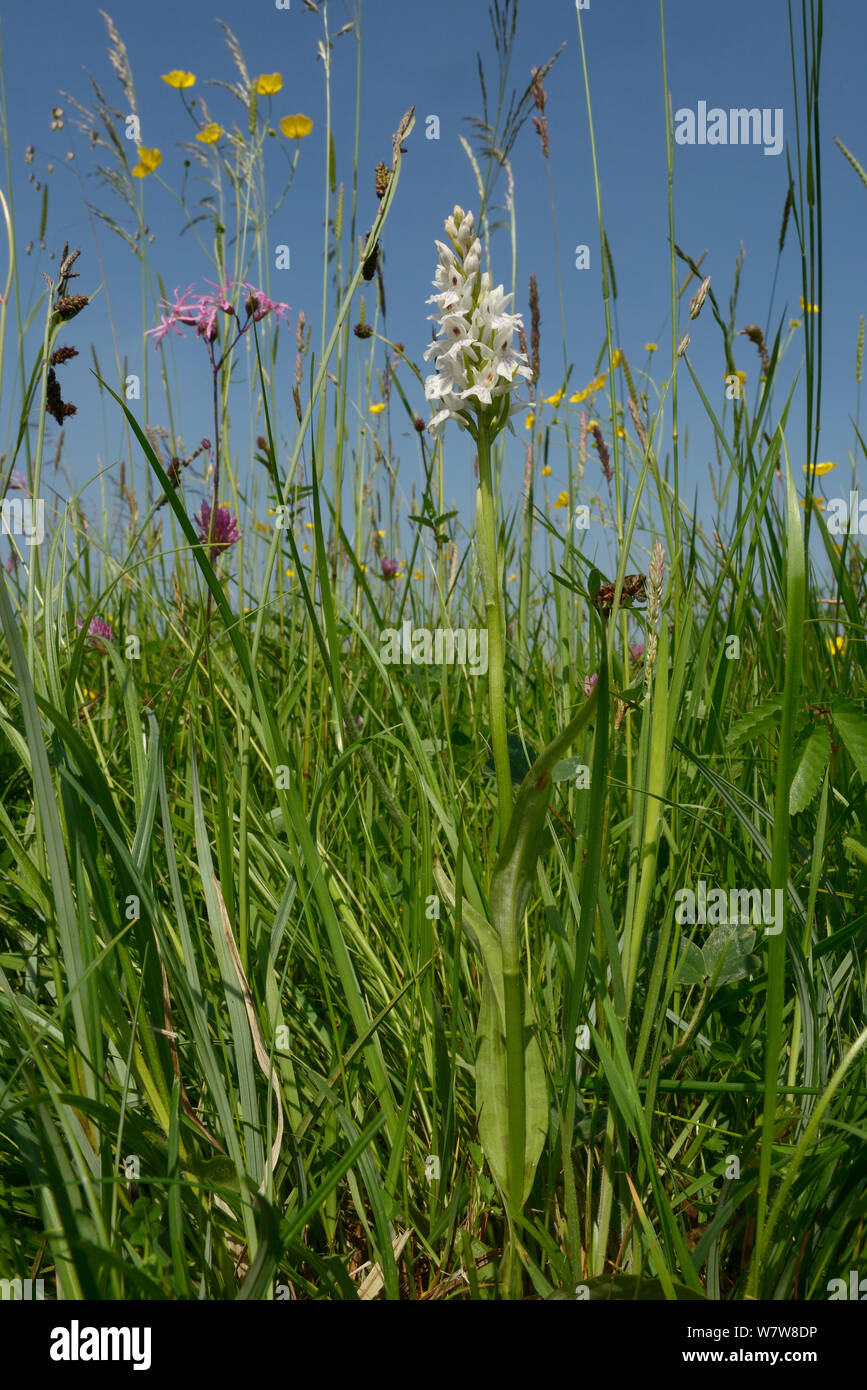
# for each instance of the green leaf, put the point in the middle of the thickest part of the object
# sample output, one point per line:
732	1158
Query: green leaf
727	951
519	761
810	769
852	723
691	968
492	1093
760	720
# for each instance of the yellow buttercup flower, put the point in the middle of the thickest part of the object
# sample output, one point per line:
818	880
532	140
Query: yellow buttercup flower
296	127
562	500
268	84
580	395
599	383
592	424
148	160
290	574
616	357
546	471
512	578
417	574
378	408
809	308
836	644
305	546
309	525
819	470
179	79
555	399
209	134
651	347
529	421
818	503
621	432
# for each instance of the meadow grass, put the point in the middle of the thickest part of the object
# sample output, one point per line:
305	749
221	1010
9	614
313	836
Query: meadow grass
262	890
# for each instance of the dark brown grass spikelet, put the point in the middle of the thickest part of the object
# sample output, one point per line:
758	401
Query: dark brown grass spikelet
602	451
755	335
54	403
363	330
534	327
382	174
70	305
62	354
787	208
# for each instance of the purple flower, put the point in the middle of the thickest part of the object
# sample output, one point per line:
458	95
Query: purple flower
636	650
590	682
19	481
389	568
225	527
201	310
98	631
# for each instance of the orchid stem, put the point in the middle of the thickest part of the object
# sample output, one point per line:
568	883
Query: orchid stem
490	572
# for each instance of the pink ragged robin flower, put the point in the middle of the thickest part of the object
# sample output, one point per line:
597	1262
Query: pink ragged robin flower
389	568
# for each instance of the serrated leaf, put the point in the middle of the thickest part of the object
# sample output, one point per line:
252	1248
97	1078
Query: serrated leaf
852	723
810	769
764	717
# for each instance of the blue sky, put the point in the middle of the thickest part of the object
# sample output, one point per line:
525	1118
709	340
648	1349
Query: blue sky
425	54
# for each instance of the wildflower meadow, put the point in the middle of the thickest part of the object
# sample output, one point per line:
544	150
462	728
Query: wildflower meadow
433	739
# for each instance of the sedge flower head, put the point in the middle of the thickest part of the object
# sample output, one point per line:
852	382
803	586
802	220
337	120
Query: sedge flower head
477	366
